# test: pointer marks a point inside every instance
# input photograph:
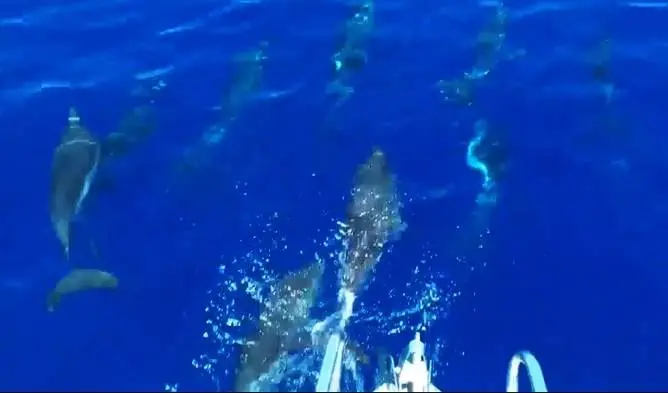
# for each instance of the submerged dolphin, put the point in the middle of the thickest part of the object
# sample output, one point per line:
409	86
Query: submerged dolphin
282	325
80	280
373	217
75	161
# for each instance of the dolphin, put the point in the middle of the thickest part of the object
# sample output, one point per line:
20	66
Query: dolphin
80	280
75	162
373	217
282	325
285	326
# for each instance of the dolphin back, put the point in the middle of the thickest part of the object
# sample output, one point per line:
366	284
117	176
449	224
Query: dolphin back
292	297
282	325
373	218
75	162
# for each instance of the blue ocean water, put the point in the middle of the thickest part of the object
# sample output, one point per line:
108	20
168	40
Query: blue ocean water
569	262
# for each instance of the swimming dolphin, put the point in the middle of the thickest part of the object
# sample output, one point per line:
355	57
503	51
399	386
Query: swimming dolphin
373	217
282	325
75	162
80	280
285	326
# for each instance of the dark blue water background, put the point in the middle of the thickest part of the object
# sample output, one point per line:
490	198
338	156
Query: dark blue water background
576	262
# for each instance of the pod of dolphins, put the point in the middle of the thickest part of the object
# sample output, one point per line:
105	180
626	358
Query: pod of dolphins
372	218
74	173
284	323
75	163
